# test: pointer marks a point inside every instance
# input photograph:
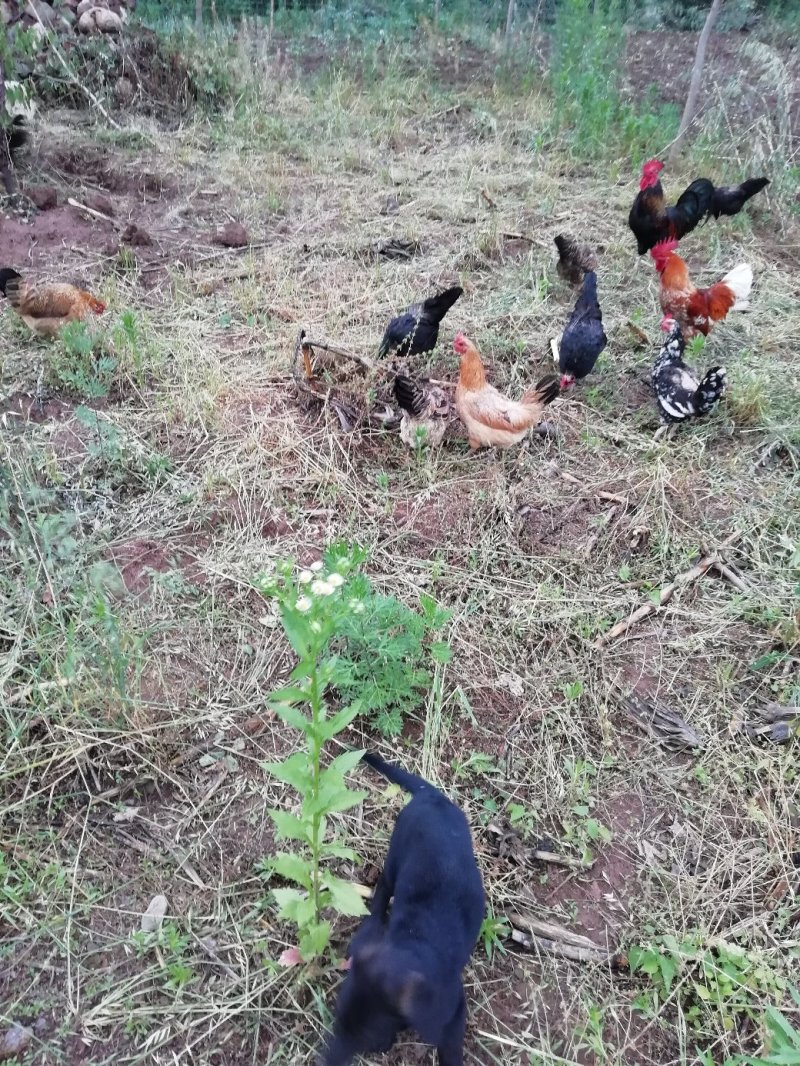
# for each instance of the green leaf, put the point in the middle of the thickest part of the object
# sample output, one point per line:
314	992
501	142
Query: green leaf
344	896
293	771
668	967
315	938
344	763
339	851
341	720
441	652
287	900
297	630
290	694
292	867
333	798
289	826
292	716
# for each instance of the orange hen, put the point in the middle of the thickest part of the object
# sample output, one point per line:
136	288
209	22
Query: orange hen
47	309
492	419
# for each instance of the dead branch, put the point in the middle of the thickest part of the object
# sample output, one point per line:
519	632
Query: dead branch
364	360
697	77
531	855
92	213
535	935
687	578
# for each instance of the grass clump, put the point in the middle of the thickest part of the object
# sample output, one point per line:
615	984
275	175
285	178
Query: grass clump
589	110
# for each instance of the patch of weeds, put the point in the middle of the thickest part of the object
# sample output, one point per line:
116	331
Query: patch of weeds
492	933
588	107
384	650
747	401
719	979
118	457
79	365
580	827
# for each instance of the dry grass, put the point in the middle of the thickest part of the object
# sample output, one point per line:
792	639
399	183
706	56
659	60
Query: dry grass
110	797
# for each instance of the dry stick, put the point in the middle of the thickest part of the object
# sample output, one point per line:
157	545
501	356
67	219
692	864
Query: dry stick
697	79
687	578
551	857
92	213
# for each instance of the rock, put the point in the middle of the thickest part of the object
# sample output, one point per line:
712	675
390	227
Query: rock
107	21
85	5
135	236
231	235
154	915
8	13
125	91
40	10
44	197
14	1041
100	203
98	20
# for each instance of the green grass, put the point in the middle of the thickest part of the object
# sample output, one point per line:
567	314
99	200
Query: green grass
138	659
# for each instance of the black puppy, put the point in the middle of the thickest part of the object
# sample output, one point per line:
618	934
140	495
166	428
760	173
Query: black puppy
406	961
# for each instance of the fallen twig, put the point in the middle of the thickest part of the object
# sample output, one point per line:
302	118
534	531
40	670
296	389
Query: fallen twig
535	935
92	213
364	360
660	721
687	578
529	855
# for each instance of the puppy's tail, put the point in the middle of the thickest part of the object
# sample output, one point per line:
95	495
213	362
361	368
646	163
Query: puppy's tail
410	782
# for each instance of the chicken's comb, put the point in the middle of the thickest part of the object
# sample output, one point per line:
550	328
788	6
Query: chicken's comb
652	164
663	248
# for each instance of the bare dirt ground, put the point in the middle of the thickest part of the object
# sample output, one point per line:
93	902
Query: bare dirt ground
201	470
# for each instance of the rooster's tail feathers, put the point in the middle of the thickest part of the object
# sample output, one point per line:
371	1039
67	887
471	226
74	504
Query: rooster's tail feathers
544	391
740	282
436	307
710	389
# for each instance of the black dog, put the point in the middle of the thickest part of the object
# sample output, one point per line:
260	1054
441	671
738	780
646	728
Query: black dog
406	961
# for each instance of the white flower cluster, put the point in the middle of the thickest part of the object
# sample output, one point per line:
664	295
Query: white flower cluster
322	585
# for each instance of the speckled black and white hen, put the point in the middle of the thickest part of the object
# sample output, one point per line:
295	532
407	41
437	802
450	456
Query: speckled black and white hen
681	394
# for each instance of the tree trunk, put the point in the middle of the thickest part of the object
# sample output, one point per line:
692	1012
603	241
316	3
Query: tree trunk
198	16
7	172
271	18
436	7
697	79
509	23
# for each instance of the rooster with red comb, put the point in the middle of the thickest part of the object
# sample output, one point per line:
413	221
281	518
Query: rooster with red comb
653	220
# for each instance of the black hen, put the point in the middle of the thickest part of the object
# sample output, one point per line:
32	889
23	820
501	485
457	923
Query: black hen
680	393
583	339
730	199
417	329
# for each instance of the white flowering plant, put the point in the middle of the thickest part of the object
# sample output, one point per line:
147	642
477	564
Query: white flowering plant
311	605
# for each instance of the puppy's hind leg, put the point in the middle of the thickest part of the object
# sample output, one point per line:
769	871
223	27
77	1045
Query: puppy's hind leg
450	1048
